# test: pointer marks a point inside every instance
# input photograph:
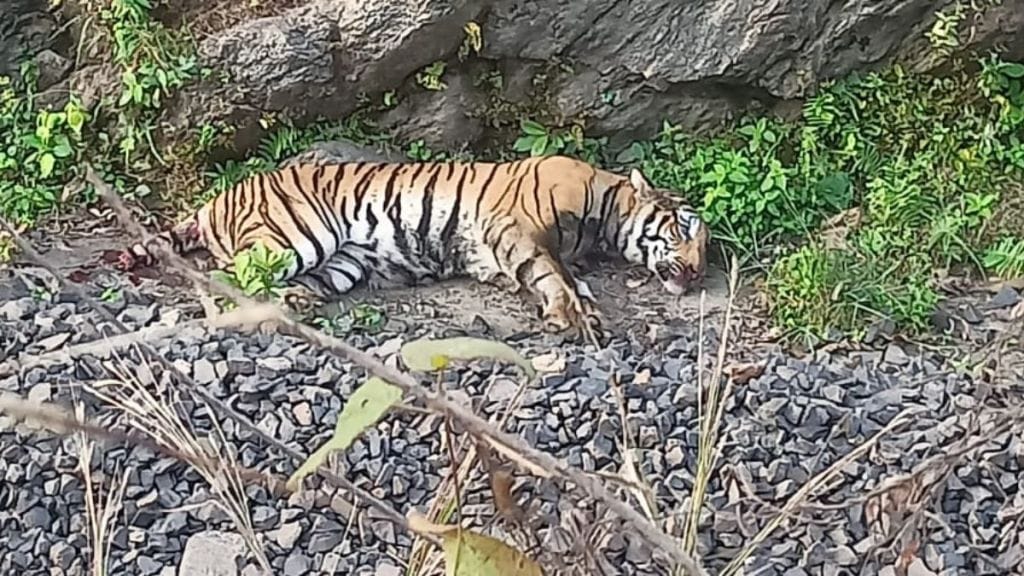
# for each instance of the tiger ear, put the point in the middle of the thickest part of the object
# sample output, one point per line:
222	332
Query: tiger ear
642	186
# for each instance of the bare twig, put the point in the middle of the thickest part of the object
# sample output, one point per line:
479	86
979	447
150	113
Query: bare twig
100	519
436	401
103	347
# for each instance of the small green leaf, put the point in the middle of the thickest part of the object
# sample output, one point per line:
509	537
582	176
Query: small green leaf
46	164
738	177
523	144
364	408
539	146
533	128
76	117
1013	69
421	355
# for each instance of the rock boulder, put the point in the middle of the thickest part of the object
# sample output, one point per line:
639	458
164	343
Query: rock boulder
622	66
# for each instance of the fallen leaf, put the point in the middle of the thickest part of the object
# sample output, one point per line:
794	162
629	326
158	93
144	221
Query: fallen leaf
743	373
468	553
428	355
501	488
364	408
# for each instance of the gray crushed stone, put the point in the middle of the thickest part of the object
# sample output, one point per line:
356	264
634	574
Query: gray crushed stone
780	429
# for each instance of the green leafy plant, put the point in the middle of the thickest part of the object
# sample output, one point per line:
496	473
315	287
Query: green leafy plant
430	77
744	184
258	271
924	158
539	140
420	152
37	149
361	317
1005	258
155	62
111	294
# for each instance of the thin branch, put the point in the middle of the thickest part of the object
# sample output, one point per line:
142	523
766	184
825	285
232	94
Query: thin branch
103	347
438	402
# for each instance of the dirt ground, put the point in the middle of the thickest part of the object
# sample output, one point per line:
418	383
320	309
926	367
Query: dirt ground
627	298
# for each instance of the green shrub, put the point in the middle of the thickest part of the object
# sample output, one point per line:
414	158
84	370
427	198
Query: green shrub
38	149
746	185
1005	258
932	156
540	140
925	159
155	62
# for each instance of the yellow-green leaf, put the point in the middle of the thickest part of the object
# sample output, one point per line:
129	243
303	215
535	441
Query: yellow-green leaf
366	406
468	553
428	355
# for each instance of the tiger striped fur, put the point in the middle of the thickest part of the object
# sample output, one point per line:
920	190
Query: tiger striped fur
400	224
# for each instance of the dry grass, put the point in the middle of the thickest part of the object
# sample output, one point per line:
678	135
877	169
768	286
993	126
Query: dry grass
710	407
100	516
156	417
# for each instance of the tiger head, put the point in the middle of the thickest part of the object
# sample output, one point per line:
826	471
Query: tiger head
666	236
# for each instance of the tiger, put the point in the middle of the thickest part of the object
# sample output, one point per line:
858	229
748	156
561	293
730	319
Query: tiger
516	224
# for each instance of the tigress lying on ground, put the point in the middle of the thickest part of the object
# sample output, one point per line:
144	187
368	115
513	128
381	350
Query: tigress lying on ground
398	224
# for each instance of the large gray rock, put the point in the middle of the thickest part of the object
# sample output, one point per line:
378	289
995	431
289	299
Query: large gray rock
212	553
639	62
26	28
620	66
317	59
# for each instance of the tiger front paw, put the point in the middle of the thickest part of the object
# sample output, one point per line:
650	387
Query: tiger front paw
575	317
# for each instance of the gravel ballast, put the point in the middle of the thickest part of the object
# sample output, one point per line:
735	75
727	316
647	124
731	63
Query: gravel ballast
780	430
